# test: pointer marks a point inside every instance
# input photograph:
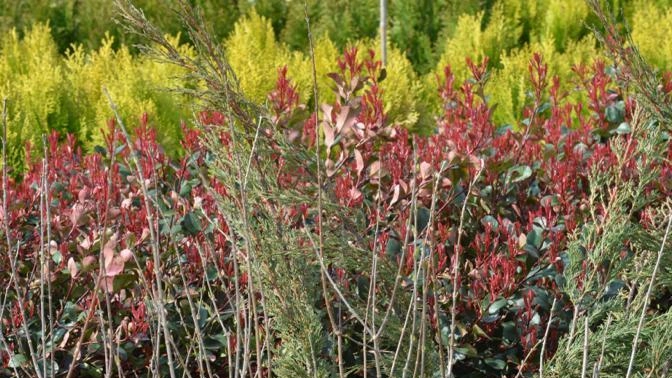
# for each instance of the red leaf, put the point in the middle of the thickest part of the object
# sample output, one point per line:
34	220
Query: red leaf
108	252
126	255
395	196
107	283
76	214
425	170
88	260
374	170
345	119
360	162
72	267
115	267
328	135
84	194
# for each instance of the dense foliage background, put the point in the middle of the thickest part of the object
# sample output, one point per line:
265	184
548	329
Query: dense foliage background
225	192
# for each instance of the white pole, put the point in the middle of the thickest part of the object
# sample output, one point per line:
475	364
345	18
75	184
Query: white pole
383	31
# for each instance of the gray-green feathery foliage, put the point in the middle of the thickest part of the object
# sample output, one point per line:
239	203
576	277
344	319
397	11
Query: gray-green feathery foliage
614	256
610	263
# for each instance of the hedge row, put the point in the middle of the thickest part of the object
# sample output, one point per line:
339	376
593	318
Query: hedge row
49	92
417	28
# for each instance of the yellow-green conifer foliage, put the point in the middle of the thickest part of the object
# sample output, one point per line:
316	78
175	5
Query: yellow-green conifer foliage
508	86
401	87
301	70
565	21
31	79
136	84
255	55
472	41
550	27
651	31
562	20
47	91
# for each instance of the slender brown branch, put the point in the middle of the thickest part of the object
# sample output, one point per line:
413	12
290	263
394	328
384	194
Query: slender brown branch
649	290
456	267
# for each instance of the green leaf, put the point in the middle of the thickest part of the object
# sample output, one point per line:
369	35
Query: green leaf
613	288
489	219
495	363
202	316
551	200
534	238
509	332
190	224
623	128
422	218
215	342
17	361
539	273
383	75
193	158
467	350
185	189
48	367
91	370
122	354
560	280
393	248
57	187
58	336
615	113
124	280
100	150
532	250
520	173
57	257
479	332
497	305
211	272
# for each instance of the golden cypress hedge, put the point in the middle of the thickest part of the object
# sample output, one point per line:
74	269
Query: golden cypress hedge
47	91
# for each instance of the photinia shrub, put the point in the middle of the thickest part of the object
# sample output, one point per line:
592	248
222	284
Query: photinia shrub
489	208
98	230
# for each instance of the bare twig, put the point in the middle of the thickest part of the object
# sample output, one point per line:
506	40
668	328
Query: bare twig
320	237
456	267
586	337
159	300
383	31
5	215
543	345
13	259
645	305
598	365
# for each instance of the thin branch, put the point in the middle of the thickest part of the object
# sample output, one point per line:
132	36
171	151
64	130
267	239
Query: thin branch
586	337
543	345
456	265
159	300
645	306
598	365
320	242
